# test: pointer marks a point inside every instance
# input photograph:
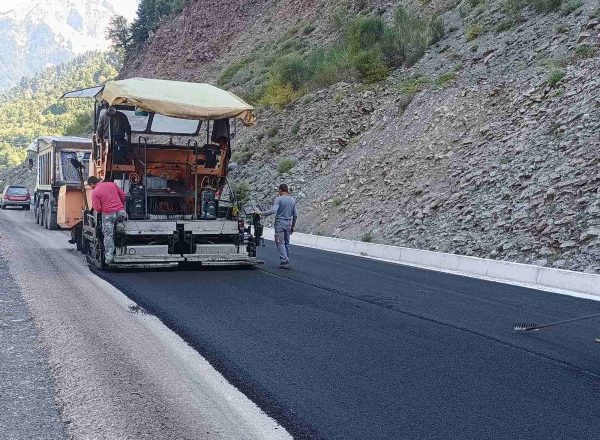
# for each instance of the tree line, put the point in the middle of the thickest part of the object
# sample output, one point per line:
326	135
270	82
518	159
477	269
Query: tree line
128	37
33	108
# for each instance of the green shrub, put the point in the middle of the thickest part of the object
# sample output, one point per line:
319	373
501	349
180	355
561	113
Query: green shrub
445	78
545	6
406	41
279	95
336	201
308	29
229	73
296	128
272	132
370	66
414	84
473	32
367	237
512	8
504	24
241	191
570	7
555	76
285	165
331	66
562	29
436	29
365	33
242	156
292	70
274	147
363	38
585	51
474	48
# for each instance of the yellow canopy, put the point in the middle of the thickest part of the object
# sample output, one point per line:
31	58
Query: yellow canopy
177	99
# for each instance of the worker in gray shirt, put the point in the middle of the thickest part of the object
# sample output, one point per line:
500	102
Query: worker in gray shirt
284	209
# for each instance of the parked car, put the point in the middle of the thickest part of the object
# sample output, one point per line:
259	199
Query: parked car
15	196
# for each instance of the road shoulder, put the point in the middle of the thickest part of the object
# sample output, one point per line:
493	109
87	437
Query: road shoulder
26	388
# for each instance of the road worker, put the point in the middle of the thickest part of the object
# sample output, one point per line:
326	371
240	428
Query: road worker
286	215
115	123
109	200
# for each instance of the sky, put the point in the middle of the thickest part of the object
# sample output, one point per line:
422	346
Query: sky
126	8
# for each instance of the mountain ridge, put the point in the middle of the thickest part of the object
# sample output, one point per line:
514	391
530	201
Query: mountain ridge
39	33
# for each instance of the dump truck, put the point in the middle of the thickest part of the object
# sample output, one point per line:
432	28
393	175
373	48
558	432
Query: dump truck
55	170
173	168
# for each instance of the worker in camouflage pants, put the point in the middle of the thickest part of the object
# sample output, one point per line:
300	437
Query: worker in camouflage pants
109	200
109	221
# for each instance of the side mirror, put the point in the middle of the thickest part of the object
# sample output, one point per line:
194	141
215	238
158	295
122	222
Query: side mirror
140	112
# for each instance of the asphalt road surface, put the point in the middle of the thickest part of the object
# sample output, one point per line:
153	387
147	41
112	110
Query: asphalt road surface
341	347
27	408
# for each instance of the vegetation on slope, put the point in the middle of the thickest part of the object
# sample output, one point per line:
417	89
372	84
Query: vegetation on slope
32	109
368	48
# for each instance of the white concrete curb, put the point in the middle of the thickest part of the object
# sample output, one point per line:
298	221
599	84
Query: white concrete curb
543	278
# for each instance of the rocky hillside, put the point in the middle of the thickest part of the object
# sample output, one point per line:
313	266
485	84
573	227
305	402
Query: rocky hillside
486	146
36	34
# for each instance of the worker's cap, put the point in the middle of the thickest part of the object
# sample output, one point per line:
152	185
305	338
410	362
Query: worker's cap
112	110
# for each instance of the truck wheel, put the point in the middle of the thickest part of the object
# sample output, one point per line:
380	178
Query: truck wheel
50	217
27	207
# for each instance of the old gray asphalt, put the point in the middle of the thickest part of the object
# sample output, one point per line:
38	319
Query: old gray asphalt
341	347
27	407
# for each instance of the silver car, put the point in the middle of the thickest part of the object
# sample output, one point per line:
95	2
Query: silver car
15	196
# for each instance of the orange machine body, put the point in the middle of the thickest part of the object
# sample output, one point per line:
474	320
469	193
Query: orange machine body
71	206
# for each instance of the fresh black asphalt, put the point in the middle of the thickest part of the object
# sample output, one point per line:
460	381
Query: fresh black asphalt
341	347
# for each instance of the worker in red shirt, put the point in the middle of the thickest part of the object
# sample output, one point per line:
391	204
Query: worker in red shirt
109	200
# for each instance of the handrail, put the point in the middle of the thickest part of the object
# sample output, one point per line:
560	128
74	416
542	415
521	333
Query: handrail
144	178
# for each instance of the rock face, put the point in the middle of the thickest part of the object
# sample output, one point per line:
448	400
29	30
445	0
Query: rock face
499	161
